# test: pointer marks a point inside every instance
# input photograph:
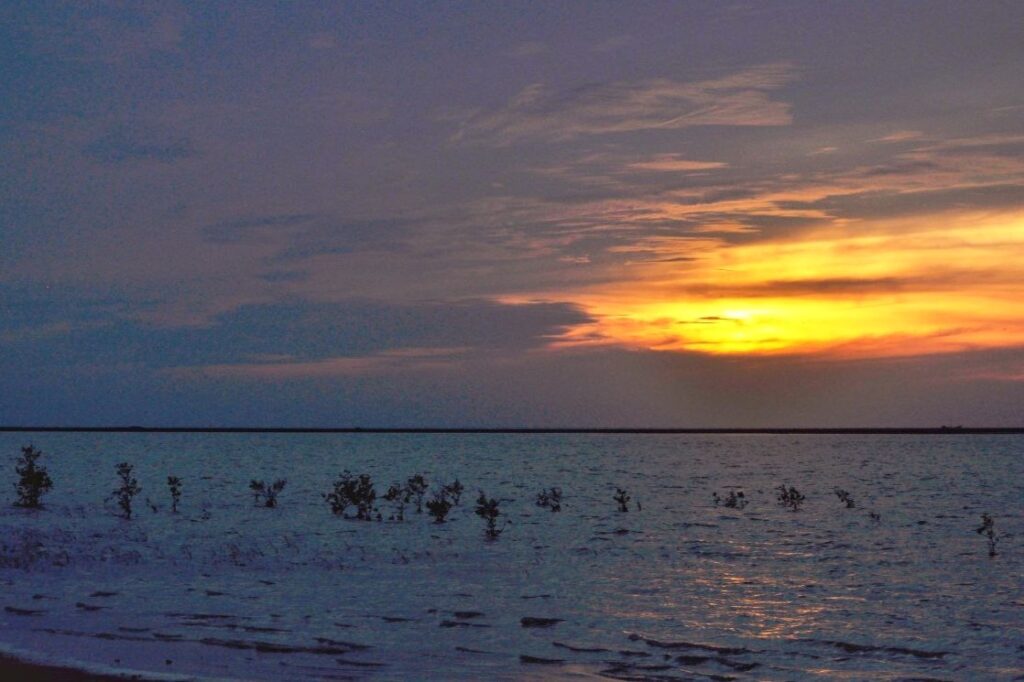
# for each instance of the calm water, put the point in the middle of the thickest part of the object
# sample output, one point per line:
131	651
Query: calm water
681	589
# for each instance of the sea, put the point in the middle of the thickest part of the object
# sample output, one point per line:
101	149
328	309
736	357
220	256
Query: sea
875	570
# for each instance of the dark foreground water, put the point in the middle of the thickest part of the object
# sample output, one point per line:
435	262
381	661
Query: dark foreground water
680	589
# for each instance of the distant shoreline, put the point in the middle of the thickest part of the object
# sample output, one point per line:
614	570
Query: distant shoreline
942	430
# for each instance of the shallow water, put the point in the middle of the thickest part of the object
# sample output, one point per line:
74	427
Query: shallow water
682	589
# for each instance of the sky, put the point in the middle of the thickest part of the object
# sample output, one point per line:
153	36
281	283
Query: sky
559	214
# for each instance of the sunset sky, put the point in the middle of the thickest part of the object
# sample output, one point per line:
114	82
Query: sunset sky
512	214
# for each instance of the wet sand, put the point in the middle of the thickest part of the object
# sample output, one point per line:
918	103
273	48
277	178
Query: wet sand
13	669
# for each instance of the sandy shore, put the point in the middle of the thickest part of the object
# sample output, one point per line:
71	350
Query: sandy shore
14	669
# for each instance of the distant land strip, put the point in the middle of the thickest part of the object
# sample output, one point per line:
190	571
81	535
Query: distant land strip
941	430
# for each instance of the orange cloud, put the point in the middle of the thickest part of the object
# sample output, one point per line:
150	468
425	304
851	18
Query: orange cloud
931	284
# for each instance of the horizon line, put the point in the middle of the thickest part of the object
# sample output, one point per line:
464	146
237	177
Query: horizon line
861	430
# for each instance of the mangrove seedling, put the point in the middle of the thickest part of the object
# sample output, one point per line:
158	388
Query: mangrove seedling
266	493
454	491
33	479
439	506
487	509
417	486
622	498
399	496
128	489
845	498
988	529
550	499
355	491
734	500
789	497
174	485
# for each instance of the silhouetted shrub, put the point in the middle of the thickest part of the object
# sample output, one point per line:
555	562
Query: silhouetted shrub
789	497
174	485
487	509
417	486
266	493
453	490
33	479
355	491
734	500
439	506
988	529
399	496
623	498
550	498
128	489
845	498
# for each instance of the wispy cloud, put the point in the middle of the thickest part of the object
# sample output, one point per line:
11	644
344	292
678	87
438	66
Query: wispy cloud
739	99
112	33
674	163
528	49
135	143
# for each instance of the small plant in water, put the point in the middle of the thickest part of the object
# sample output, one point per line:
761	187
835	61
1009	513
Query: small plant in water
734	500
417	486
454	491
352	491
622	498
875	516
988	529
33	479
128	489
550	498
439	506
399	496
174	485
266	493
845	498
789	497
487	509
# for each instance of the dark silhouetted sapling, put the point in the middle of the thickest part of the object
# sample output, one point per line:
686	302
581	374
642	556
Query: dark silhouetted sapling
174	485
454	491
845	498
399	496
988	529
33	479
353	491
550	499
734	500
487	509
417	486
128	489
789	497
439	506
622	498
267	494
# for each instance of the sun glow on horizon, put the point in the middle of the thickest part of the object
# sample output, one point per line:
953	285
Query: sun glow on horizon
896	288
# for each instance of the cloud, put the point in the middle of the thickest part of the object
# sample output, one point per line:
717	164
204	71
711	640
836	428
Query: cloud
302	335
900	136
612	44
537	113
528	49
138	143
674	163
112	33
242	229
322	40
921	285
